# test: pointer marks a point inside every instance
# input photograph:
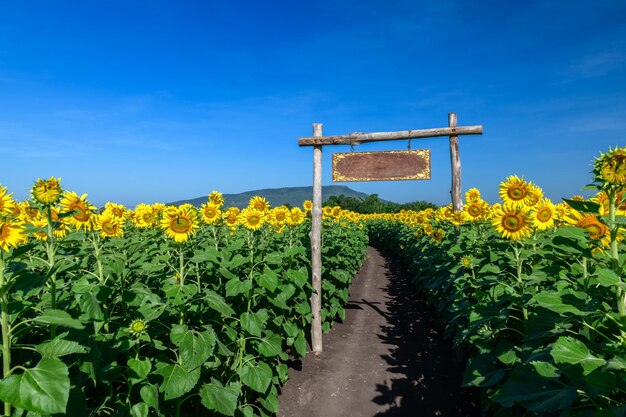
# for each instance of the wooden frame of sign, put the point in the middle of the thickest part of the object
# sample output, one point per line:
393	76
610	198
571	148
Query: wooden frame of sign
317	141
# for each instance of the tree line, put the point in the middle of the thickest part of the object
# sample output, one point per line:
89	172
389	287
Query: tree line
373	204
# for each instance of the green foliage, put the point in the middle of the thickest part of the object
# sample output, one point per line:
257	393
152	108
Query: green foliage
142	326
537	319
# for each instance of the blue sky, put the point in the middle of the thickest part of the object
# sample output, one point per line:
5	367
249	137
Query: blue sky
148	101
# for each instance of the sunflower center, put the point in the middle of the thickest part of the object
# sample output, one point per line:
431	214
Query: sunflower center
180	224
593	226
516	193
253	220
109	228
81	213
210	212
4	231
544	214
474	210
513	222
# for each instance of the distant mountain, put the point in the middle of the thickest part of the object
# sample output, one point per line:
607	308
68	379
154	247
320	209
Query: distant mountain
293	196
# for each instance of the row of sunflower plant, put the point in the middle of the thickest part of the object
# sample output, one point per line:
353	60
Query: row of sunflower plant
160	310
532	292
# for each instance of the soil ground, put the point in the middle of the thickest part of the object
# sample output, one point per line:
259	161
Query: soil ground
388	358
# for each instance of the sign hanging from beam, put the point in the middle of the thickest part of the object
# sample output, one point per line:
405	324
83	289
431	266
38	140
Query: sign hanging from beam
381	166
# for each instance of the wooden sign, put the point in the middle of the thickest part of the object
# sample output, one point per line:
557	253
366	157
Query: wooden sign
381	166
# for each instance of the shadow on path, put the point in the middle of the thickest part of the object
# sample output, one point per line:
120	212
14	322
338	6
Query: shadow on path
387	358
427	378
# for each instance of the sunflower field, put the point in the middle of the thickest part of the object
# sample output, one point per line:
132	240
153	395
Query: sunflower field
160	310
532	292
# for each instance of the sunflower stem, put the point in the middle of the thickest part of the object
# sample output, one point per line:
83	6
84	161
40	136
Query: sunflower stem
613	229
518	275
50	248
6	330
181	276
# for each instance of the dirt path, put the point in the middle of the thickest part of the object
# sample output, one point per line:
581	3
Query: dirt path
388	358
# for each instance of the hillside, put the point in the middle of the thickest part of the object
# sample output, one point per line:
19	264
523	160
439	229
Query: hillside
293	196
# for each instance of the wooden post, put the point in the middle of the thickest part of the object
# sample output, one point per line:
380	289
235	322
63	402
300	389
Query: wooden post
316	245
455	163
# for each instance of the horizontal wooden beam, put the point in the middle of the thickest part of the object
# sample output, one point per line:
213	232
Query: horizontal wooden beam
357	137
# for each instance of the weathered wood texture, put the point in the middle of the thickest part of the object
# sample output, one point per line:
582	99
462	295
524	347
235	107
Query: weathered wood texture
455	164
357	137
382	166
316	246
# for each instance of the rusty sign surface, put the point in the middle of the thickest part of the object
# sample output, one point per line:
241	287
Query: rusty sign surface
382	166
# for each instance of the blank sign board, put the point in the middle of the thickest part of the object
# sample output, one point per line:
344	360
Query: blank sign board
381	166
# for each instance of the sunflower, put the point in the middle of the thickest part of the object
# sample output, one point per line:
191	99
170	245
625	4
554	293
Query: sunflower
472	195
138	327
40	223
259	203
11	234
327	211
476	210
544	214
211	212
82	212
592	224
307	205
514	189
534	196
109	225
512	221
179	223
609	169
251	218
438	235
28	213
61	228
216	198
47	192
144	216
467	262
7	204
296	216
278	216
231	217
116	210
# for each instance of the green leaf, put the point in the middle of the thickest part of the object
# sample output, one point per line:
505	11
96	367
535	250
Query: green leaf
270	402
139	410
570	351
90	306
177	380
195	348
58	318
237	261
253	323
271	345
141	368
300	344
43	389
217	303
268	280
235	287
607	277
536	393
256	377
149	394
546	369
584	206
273	258
220	398
59	347
553	301
481	371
